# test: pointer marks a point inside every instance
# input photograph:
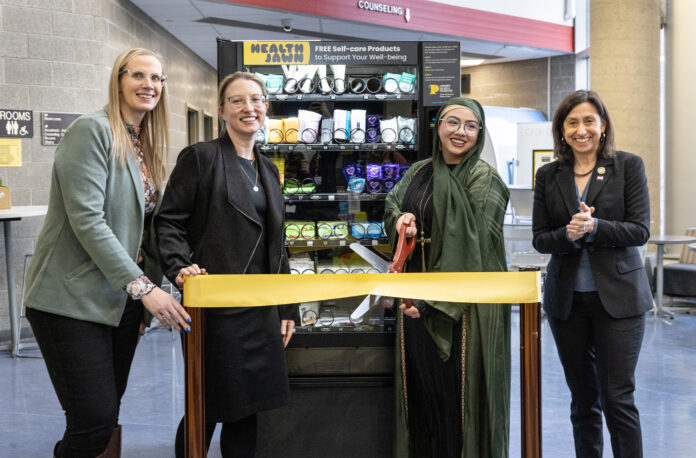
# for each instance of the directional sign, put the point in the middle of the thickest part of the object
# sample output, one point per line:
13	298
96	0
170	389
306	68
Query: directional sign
54	125
16	123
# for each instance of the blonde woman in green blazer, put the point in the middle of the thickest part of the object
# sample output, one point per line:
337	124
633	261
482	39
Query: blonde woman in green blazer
95	266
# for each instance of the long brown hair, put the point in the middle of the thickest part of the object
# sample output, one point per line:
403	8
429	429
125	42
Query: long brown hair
563	152
154	133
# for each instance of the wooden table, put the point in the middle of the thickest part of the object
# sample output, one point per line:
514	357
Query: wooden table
7	216
660	241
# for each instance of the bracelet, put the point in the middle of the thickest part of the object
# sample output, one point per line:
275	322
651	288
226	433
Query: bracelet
139	287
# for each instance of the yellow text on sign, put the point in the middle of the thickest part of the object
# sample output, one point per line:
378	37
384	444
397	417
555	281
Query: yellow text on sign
276	52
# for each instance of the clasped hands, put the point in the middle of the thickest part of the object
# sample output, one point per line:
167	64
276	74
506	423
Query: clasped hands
286	326
582	223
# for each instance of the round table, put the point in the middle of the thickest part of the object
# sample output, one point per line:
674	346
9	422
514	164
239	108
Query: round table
660	241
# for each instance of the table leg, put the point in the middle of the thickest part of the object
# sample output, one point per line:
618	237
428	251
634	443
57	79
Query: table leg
530	379
659	282
194	368
12	300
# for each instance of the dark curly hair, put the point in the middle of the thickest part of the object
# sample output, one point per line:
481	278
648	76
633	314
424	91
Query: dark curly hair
563	152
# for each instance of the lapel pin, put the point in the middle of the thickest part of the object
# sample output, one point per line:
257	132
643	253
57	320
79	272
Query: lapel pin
601	170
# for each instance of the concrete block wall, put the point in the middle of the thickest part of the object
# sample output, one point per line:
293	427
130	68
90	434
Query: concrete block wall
56	56
523	83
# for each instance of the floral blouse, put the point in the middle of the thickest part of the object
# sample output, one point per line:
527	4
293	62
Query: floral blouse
142	285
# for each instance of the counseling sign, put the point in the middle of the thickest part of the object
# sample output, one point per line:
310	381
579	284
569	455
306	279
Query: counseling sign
328	53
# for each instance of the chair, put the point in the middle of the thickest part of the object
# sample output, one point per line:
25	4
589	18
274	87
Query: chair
680	277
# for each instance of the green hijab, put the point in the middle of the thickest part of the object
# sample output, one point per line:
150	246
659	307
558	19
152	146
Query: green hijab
468	201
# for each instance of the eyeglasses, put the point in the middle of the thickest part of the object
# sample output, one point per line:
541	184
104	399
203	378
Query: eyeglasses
453	124
238	102
155	78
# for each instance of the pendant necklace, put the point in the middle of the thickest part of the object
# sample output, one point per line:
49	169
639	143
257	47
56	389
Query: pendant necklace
255	182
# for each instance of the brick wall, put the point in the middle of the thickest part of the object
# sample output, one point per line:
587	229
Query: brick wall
56	56
523	83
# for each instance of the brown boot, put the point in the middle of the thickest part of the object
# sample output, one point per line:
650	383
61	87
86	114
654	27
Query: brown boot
113	449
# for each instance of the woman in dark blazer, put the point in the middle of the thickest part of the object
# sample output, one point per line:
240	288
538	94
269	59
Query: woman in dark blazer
591	213
223	212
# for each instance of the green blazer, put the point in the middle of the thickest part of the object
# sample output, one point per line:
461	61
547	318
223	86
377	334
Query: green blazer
86	251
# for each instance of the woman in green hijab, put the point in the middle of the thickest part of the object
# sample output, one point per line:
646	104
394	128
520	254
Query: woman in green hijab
453	367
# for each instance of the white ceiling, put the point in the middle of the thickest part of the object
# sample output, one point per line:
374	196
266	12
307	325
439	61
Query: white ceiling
197	24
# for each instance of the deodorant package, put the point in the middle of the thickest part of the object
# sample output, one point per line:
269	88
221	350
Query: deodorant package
341	130
326	130
357	126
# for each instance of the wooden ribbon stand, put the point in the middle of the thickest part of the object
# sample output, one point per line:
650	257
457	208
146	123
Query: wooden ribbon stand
530	381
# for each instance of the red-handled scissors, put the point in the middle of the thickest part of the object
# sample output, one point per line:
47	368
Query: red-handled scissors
403	249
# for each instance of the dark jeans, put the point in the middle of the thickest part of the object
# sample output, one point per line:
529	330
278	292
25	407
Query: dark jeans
599	356
88	364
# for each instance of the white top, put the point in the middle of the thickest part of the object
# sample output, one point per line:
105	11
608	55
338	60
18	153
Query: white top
23	211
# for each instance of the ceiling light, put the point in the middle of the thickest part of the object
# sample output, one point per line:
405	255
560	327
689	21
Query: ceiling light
470	61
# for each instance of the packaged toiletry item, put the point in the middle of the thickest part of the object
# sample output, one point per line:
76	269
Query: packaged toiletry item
357	126
388	130
290	129
326	130
374	185
390	171
407	83
407	129
307	83
275	130
325	84
388	184
356	185
341	126
339	75
374	171
372	132
390	82
309	125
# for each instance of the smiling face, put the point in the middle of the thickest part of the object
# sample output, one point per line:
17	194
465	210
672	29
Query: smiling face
246	119
459	131
138	89
582	130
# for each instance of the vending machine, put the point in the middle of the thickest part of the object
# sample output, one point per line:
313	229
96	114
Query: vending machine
345	122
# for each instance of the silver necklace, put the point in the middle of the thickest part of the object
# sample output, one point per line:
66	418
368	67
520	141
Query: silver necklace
255	182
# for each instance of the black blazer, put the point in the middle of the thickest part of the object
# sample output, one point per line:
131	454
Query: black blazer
622	208
207	216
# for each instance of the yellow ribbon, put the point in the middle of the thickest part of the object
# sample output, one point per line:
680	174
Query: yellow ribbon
272	289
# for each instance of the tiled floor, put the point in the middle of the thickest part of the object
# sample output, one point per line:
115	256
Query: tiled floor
31	419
